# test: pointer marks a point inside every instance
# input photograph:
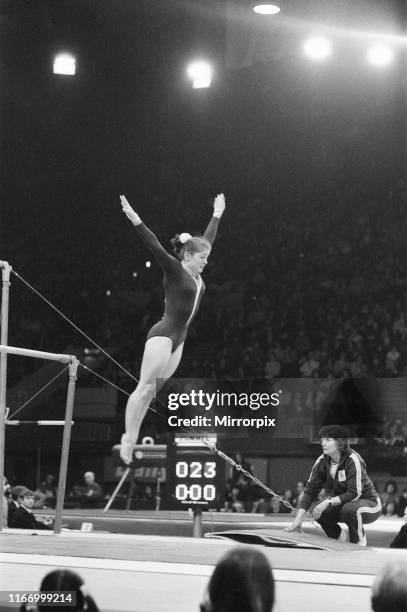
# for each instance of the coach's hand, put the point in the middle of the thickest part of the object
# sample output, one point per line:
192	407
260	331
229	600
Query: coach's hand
320	508
296	524
294	527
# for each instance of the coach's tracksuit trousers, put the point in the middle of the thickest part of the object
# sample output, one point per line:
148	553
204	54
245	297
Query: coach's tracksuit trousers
355	514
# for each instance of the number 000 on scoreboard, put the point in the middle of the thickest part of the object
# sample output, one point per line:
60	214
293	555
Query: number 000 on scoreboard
195	476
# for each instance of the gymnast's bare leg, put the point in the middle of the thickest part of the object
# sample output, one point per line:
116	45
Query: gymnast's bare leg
158	362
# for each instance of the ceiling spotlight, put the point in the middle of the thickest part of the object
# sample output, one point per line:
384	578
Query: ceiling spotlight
64	63
200	72
318	48
266	9
380	55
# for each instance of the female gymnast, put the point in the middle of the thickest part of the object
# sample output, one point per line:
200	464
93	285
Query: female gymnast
354	500
183	287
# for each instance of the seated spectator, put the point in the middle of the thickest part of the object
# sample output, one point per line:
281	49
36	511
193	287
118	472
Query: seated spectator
89	495
45	495
389	590
241	460
392	362
400	327
242	581
272	369
13	502
400	541
39	498
49	489
276	506
403	501
289	496
398	433
260	505
391	508
300	493
310	366
23	517
390	493
74	496
6	496
245	495
234	501
64	580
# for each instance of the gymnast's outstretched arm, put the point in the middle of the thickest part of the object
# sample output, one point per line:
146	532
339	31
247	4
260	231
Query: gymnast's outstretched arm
163	258
218	209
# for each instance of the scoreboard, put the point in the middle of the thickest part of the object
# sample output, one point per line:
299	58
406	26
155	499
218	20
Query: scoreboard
195	475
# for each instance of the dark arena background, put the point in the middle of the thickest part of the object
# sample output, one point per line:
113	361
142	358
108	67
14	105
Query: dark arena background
299	119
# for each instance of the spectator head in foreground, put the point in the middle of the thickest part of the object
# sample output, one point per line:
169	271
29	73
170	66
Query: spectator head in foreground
389	590
242	581
64	580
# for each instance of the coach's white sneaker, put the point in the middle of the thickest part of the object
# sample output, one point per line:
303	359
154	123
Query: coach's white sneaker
343	536
363	541
126	449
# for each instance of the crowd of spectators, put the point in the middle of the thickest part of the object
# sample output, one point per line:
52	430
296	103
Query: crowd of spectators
309	288
301	283
394	502
393	432
21	501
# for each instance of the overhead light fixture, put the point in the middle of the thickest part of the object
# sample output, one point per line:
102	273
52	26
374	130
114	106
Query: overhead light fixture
64	63
200	73
318	48
380	55
266	9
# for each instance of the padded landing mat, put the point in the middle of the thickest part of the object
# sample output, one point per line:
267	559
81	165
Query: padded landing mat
279	538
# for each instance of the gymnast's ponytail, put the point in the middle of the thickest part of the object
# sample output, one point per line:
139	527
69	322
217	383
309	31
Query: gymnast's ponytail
185	242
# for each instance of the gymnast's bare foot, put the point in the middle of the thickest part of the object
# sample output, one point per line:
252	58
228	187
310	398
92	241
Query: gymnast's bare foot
126	449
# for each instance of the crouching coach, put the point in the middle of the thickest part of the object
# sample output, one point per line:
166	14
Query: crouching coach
353	499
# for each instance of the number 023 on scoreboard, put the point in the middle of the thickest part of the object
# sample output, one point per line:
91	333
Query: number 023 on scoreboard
195	477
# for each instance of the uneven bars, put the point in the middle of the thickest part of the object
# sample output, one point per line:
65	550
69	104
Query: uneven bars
12	350
73	368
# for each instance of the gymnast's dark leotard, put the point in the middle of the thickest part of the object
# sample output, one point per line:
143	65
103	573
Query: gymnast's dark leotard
182	292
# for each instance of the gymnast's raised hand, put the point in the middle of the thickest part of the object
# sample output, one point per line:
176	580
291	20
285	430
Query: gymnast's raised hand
219	206
129	212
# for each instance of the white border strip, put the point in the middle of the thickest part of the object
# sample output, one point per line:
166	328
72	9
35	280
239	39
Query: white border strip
154	567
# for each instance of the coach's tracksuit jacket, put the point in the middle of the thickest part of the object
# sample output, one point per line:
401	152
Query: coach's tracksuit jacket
350	483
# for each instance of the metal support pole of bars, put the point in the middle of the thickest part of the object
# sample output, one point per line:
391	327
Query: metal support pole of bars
63	468
117	489
5	290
